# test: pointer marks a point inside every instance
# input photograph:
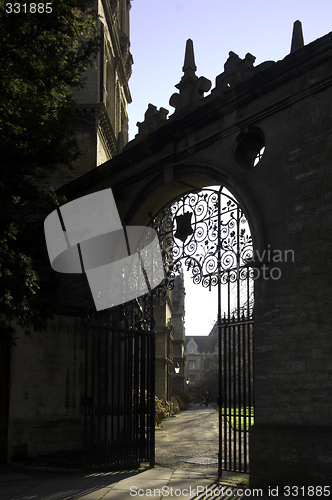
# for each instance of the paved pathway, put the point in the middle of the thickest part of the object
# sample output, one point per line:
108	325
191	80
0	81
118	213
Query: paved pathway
189	439
159	483
186	456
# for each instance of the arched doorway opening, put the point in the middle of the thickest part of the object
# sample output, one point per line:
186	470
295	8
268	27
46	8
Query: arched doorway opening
214	244
207	234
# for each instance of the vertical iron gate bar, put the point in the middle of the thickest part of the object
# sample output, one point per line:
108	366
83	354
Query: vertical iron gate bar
131	397
125	390
228	401
220	381
99	397
239	399
142	409
251	361
227	375
232	444
244	392
106	443
237	447
136	394
118	362
148	401
140	403
92	397
112	353
85	401
247	359
222	370
152	403
130	392
129	366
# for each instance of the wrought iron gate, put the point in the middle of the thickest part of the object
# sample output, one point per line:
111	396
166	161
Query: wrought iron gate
207	233
236	384
119	398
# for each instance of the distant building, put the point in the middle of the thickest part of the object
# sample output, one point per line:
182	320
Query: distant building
194	352
201	364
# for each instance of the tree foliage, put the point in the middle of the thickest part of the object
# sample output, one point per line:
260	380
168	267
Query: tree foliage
43	58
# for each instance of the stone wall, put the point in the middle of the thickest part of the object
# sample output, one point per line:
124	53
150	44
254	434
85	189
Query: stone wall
293	343
47	384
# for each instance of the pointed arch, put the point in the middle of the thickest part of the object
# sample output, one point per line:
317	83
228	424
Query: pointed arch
183	177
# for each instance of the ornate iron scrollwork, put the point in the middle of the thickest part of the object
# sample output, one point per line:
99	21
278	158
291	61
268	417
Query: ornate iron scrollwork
207	233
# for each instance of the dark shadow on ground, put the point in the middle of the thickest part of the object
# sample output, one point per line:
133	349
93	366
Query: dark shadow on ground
16	482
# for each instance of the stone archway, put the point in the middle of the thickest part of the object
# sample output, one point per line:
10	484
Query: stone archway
212	140
156	192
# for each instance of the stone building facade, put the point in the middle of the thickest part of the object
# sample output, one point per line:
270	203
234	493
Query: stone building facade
194	364
201	364
102	104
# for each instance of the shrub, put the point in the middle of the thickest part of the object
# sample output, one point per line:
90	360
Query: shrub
161	410
182	401
175	404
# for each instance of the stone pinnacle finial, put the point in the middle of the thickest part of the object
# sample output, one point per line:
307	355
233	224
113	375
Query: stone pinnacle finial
191	88
297	38
189	67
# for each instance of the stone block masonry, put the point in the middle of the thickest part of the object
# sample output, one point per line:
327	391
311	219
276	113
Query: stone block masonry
47	381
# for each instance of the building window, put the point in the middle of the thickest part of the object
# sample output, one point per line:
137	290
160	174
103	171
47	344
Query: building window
192	365
191	349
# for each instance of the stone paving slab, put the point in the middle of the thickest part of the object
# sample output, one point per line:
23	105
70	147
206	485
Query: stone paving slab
157	483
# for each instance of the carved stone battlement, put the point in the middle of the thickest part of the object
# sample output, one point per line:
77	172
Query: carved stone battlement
153	120
192	88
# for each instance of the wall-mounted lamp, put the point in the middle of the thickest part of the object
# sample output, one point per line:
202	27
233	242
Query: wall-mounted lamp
177	368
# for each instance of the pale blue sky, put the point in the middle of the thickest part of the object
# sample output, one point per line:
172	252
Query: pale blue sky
159	30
